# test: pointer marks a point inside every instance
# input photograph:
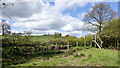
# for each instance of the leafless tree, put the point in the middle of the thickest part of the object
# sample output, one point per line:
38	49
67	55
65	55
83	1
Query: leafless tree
100	13
5	27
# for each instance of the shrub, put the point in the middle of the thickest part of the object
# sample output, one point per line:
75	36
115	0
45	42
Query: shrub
34	63
89	56
70	53
73	50
87	47
82	55
79	48
76	55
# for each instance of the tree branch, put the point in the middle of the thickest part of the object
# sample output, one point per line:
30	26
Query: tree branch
96	19
93	24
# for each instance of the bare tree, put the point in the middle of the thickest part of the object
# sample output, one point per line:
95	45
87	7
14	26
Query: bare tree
5	28
100	13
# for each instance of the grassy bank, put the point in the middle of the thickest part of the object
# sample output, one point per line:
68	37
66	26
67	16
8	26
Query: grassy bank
84	57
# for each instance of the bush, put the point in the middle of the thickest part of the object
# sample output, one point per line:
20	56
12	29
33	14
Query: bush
73	50
87	47
70	53
89	56
82	55
79	48
76	55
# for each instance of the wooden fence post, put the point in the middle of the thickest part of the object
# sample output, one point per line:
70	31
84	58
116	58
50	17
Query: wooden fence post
40	47
52	44
118	45
68	46
95	40
91	44
77	44
61	45
56	47
85	41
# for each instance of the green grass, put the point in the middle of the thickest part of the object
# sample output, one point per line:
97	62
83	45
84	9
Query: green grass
88	57
42	38
38	38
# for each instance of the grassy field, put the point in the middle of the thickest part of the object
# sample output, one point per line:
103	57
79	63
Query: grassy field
81	57
42	38
38	38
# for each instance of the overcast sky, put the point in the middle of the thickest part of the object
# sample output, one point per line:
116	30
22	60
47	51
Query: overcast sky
49	17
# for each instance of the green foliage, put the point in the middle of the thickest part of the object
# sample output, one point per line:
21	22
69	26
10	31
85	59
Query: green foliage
57	35
70	53
82	55
81	41
89	56
79	48
19	49
87	47
109	34
66	35
76	55
111	29
15	47
34	64
74	50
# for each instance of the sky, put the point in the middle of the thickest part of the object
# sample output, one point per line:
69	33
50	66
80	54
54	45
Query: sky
49	17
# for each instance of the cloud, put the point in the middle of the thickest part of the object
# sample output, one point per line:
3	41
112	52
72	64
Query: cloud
42	21
43	18
73	24
49	17
22	9
73	33
42	32
17	31
61	0
65	4
82	15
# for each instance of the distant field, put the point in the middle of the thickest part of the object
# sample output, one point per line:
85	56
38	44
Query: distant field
42	38
39	38
89	57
